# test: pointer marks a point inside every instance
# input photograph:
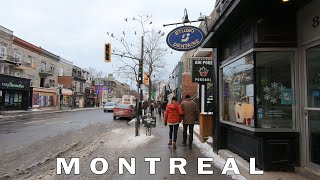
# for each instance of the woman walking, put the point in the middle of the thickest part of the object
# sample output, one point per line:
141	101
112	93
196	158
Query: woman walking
172	117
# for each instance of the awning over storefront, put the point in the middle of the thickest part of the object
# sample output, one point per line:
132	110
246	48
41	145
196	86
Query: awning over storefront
66	92
45	90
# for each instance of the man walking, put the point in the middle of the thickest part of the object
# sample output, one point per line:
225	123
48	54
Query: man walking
163	107
191	113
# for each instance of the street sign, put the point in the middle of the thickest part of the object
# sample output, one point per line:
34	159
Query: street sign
185	38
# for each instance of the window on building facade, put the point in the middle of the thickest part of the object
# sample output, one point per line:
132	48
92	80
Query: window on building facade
6	70
17	56
237	91
31	77
81	88
52	68
30	61
61	71
43	66
3	50
275	91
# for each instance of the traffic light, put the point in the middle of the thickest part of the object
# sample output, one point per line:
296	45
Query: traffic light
140	73
107	52
146	78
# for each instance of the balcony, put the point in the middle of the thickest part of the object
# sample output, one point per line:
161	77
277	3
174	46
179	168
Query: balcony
25	65
46	72
78	77
9	60
49	85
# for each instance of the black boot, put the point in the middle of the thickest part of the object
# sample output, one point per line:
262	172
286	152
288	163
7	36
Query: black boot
184	142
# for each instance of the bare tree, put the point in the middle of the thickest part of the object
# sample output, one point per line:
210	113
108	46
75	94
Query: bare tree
95	73
130	53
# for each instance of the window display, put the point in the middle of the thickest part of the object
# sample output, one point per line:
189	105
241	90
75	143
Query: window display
238	91
275	96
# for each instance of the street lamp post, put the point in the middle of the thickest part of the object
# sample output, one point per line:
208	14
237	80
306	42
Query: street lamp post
60	98
72	97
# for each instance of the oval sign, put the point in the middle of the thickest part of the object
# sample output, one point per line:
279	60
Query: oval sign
185	38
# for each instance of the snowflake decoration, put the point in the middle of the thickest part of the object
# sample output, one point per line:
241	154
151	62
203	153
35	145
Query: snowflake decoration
273	93
266	89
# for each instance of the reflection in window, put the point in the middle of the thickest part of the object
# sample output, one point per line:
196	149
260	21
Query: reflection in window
238	91
313	66
209	98
274	89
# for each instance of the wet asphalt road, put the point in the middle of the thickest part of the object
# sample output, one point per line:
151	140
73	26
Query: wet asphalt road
22	131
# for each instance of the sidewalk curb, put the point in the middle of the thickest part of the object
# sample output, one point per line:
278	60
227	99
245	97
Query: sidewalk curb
20	114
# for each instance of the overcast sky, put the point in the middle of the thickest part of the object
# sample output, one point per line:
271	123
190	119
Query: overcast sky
76	29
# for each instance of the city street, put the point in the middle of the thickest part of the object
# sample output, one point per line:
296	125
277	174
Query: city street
31	144
34	139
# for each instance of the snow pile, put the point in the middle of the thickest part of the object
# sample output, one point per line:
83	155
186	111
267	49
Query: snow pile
35	110
133	121
126	139
116	131
196	128
206	149
210	139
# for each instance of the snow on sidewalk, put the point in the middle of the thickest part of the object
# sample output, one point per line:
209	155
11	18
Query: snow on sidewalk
206	150
128	138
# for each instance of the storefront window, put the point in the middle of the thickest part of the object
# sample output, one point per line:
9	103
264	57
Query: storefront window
238	91
1	103
313	66
209	98
275	95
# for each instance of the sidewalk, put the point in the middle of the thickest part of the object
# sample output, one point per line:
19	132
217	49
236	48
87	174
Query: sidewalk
158	147
12	114
243	166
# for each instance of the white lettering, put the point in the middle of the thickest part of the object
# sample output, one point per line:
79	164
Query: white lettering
104	166
152	166
201	165
233	167
173	166
253	166
131	168
67	168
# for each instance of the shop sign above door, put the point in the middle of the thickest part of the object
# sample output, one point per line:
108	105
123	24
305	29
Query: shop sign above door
14	83
202	69
185	38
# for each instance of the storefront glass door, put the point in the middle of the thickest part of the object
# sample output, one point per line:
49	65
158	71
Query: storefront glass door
313	105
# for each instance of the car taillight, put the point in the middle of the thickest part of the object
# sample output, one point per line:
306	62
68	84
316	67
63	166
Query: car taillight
127	110
115	109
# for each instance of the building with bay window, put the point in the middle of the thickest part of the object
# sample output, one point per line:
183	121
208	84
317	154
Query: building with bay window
267	81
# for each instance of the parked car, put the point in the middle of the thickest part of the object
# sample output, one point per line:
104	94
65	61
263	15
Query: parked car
124	110
109	106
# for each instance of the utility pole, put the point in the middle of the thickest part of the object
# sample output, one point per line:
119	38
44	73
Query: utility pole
140	78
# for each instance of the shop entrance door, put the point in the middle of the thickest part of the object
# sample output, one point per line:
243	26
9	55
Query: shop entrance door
312	107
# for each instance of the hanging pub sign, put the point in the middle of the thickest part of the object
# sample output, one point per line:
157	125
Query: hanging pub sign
185	38
202	69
